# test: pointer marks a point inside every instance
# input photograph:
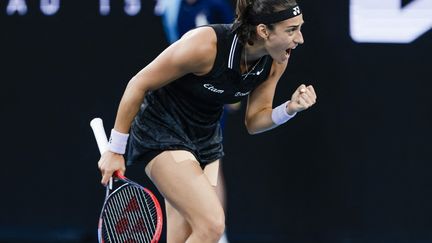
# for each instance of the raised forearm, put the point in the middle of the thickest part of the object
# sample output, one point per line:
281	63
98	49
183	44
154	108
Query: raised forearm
260	122
268	118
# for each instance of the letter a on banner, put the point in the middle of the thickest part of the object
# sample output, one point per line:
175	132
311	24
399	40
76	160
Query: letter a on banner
16	6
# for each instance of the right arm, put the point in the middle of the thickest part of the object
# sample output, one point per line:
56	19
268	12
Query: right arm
194	53
191	54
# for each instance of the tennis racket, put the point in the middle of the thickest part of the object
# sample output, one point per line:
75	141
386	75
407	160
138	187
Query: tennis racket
130	213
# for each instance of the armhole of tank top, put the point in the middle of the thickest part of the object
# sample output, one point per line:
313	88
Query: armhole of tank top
218	63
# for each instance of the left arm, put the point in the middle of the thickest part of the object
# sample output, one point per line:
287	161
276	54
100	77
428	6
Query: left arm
259	107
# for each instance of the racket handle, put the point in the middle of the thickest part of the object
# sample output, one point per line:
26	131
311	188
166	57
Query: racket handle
99	133
102	141
116	174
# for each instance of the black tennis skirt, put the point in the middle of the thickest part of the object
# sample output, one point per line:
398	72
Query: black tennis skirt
169	122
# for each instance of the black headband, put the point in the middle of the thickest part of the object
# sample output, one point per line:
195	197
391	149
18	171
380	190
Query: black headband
275	17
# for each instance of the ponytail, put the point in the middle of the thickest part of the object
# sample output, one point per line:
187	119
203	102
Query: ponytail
241	26
241	8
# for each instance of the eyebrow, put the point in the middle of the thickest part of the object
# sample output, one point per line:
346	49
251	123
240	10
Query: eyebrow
295	26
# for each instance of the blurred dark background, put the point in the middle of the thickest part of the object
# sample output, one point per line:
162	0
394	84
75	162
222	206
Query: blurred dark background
353	169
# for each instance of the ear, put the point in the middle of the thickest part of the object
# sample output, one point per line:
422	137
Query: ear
262	31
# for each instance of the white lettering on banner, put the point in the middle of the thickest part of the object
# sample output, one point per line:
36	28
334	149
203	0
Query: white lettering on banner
16	6
386	21
104	7
132	7
49	7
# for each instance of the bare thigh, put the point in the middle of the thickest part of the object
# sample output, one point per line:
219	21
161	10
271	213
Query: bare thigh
182	182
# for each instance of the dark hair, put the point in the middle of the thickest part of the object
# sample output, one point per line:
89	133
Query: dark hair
247	8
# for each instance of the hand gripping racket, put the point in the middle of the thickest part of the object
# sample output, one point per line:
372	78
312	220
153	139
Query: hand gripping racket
130	213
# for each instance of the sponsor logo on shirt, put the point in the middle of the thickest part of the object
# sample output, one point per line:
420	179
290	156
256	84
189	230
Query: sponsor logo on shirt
241	94
213	89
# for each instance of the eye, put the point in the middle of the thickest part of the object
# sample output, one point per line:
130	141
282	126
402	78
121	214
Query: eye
291	31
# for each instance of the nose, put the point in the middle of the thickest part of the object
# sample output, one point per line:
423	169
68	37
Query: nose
299	38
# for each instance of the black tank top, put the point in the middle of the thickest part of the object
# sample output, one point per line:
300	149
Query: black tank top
224	84
185	114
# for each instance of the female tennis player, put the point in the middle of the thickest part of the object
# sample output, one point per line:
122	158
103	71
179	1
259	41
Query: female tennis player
171	109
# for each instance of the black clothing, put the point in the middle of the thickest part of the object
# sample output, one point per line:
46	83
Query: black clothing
184	115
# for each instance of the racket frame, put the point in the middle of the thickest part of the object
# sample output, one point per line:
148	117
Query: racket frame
102	142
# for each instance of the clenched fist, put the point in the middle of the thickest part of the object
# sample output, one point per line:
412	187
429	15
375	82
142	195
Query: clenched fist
303	98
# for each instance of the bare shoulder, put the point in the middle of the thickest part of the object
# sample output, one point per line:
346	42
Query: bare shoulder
194	53
201	36
198	48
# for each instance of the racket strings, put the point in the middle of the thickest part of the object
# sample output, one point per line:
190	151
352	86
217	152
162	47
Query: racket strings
125	222
130	216
142	214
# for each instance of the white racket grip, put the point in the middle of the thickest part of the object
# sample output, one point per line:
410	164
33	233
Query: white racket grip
99	133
